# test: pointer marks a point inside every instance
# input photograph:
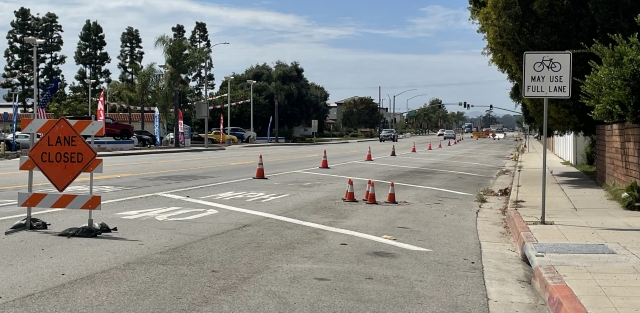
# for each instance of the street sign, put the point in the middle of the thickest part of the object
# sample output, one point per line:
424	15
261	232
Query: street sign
547	74
314	126
62	154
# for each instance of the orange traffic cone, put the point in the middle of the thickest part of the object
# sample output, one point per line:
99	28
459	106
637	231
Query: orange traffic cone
366	193
455	142
346	193
498	138
393	150
324	163
392	195
369	155
372	195
429	146
476	138
449	144
350	197
260	170
440	145
413	150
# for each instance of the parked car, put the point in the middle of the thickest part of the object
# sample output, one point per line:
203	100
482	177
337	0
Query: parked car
240	133
8	144
388	134
112	128
440	132
215	135
146	136
449	134
23	139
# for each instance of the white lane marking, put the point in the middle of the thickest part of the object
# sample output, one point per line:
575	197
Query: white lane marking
388	182
423	168
56	210
8	202
164	214
242	194
450	161
299	222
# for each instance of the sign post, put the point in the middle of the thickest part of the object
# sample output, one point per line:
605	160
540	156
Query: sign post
546	75
314	128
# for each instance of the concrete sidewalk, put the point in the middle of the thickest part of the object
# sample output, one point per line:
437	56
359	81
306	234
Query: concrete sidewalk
587	260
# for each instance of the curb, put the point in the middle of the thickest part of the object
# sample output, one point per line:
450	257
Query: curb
553	289
149	152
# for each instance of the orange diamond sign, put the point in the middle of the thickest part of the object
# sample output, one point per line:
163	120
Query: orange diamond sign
62	154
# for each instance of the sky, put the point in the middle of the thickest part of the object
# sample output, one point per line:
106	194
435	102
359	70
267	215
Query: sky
349	47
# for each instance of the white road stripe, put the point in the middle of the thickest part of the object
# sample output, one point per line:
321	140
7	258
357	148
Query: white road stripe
388	182
451	161
424	168
299	222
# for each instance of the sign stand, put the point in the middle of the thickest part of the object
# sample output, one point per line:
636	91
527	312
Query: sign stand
62	154
546	75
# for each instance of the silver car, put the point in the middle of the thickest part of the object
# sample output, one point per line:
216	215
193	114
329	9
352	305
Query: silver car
449	134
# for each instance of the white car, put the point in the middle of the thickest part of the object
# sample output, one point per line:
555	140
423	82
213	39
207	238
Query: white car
440	132
23	139
449	134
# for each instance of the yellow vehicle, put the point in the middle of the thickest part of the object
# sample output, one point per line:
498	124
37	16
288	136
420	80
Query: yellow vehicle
215	135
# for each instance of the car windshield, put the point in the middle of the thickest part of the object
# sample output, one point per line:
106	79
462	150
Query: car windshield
449	131
387	130
442	130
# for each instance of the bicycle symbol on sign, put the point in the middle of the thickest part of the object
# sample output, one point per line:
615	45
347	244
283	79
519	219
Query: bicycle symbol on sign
548	64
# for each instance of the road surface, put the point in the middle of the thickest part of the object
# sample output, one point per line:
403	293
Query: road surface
198	234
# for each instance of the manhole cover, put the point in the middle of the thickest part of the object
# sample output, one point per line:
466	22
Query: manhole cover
572	248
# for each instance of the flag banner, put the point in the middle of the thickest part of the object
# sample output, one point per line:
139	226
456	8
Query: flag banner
51	91
156	125
101	106
15	122
221	128
269	129
181	127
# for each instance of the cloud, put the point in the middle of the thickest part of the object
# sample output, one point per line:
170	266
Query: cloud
434	19
260	35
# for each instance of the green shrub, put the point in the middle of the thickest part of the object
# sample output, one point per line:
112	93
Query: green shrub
589	153
354	135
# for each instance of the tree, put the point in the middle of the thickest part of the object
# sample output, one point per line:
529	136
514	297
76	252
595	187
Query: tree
489	119
507	120
180	59
144	87
512	27
200	39
18	72
91	56
361	112
131	55
613	87
178	31
51	32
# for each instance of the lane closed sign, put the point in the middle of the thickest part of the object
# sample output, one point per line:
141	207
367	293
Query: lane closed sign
547	74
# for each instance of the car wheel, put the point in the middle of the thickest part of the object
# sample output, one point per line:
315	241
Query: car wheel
116	137
125	134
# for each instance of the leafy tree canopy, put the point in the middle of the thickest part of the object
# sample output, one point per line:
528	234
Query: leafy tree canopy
613	87
512	27
361	112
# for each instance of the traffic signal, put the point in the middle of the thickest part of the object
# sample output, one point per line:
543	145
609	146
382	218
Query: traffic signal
490	106
465	104
406	121
468	106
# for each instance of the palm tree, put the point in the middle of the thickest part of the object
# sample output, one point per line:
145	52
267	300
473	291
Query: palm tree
181	59
144	86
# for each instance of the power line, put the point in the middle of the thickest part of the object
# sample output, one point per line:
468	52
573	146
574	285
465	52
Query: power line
417	86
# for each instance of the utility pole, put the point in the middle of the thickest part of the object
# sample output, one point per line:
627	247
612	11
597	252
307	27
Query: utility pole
206	100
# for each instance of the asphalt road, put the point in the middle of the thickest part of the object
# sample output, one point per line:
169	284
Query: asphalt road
198	234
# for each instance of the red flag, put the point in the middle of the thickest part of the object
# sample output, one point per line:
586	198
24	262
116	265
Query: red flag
221	127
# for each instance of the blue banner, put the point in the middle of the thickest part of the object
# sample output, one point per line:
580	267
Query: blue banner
156	125
15	122
269	130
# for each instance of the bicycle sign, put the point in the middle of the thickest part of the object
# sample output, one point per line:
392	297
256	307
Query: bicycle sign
547	74
548	64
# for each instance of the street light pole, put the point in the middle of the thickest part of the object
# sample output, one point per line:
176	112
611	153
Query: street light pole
206	97
228	78
251	82
34	42
394	106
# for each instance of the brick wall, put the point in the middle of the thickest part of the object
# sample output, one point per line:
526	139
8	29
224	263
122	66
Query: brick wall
618	153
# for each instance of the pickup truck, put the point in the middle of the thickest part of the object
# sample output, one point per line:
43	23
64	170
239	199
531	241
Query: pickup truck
111	127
